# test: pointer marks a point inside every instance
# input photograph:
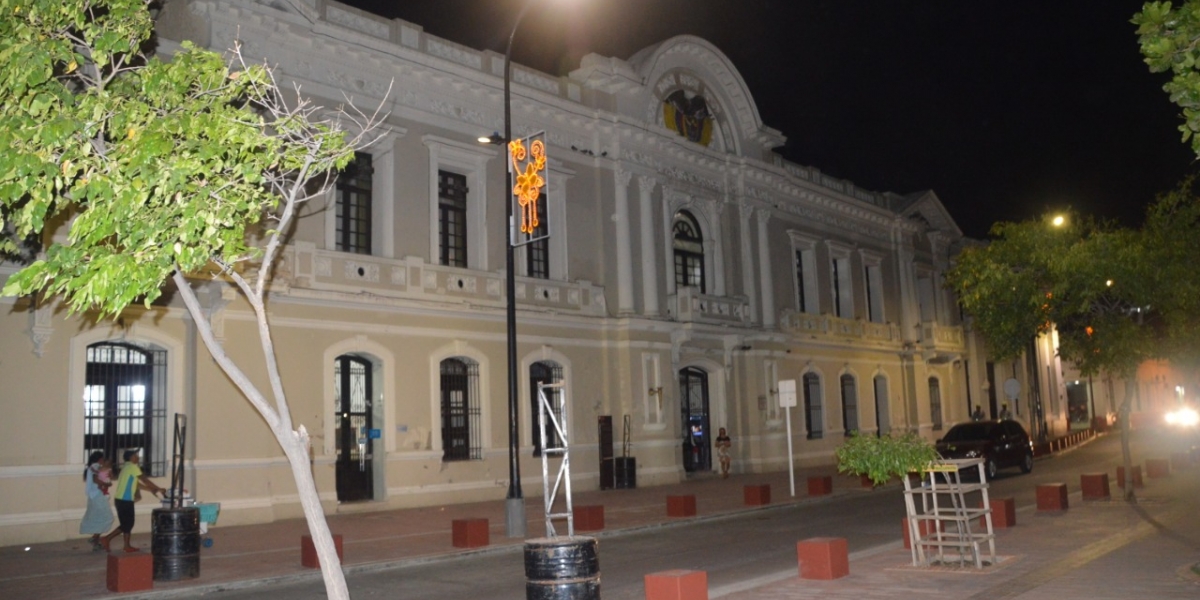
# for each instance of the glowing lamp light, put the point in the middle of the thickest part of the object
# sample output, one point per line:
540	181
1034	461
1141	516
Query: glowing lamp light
1183	417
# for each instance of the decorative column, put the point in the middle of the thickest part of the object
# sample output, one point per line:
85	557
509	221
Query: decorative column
744	253
764	268
713	247
624	260
649	258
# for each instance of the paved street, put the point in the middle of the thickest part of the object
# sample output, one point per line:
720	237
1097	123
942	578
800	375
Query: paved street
1094	549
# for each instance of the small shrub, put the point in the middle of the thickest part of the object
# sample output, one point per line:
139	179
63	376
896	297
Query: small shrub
882	458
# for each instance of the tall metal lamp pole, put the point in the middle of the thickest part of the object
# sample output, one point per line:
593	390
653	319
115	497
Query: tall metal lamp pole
514	501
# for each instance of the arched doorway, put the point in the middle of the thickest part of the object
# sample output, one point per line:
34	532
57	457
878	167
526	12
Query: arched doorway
353	393
693	404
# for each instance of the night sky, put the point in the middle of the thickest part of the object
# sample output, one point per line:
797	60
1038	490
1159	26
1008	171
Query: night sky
1006	109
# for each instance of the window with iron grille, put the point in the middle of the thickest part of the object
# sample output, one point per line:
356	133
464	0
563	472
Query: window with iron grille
688	246
849	404
537	253
354	205
124	403
452	219
812	406
460	410
546	372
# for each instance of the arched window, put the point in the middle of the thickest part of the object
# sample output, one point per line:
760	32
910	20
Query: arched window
546	372
688	245
812	406
935	402
849	404
124	403
460	410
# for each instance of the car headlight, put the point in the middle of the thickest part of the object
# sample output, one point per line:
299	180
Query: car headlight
973	454
1183	417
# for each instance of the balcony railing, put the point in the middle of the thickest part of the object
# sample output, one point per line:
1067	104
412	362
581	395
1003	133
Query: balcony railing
827	326
688	305
307	267
942	343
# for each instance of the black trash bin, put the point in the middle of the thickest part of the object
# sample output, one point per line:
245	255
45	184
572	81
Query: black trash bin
626	472
175	543
562	568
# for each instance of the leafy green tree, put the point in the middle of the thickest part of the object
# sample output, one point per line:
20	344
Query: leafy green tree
138	173
1087	281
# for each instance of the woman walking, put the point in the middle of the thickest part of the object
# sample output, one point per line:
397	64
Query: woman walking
98	516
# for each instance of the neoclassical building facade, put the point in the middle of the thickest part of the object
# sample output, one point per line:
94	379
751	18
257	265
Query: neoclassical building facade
689	269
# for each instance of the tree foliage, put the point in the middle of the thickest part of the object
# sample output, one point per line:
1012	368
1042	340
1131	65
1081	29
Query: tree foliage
1094	284
1168	37
159	165
131	170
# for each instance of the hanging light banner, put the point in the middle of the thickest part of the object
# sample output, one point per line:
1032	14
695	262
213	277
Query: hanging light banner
527	164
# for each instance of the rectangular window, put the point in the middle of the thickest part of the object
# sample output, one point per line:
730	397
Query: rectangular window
452	219
801	296
843	298
874	277
354	206
935	403
805	270
537	254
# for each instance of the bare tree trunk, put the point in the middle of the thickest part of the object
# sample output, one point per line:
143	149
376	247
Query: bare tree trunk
1126	455
294	442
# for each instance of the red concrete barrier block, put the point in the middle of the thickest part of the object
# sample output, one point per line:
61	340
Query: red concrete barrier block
130	571
681	506
924	528
678	584
1094	486
589	518
1180	460
820	485
470	533
1052	496
757	494
1004	512
1137	477
823	558
1157	468
308	551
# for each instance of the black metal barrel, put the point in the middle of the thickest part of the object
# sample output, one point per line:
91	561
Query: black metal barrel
626	473
175	543
563	568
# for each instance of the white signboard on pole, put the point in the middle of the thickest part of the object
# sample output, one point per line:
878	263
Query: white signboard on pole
787	399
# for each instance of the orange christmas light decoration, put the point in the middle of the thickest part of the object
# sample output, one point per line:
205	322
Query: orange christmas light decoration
528	181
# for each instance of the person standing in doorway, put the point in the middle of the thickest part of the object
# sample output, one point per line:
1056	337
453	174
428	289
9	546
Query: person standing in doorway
723	446
97	518
129	485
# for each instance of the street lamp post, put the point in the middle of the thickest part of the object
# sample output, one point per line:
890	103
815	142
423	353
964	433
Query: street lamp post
514	501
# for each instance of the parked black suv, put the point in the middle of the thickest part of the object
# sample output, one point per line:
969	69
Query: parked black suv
1001	443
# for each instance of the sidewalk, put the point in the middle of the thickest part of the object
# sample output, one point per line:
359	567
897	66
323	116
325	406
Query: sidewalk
1102	549
248	555
1094	550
